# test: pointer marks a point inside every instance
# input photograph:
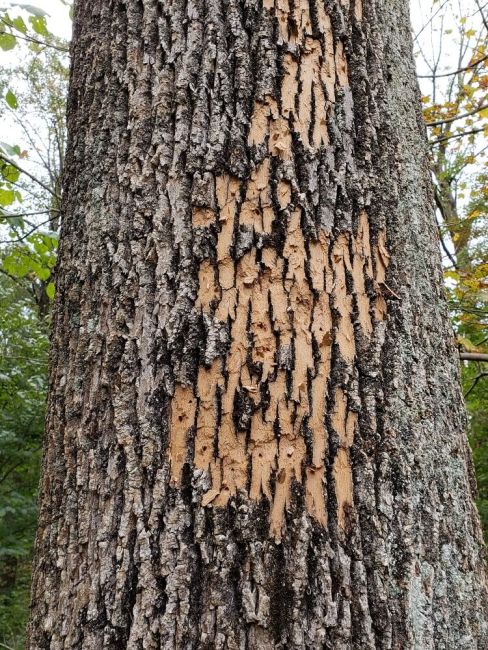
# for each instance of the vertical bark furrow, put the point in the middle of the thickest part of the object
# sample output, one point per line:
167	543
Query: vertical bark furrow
276	298
254	439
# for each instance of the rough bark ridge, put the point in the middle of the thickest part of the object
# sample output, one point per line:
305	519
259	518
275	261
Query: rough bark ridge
255	435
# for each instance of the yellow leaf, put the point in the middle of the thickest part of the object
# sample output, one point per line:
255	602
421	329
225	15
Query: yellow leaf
451	275
466	344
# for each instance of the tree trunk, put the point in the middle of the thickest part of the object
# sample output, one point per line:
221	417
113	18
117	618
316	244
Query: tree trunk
255	433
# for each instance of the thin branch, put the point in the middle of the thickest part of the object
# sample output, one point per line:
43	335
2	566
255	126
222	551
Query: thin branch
475	383
454	72
483	18
473	356
416	37
12	469
31	39
9	161
448	120
440	206
2	645
24	123
457	135
19	239
21	215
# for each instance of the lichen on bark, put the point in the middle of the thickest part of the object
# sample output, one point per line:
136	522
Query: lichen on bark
255	435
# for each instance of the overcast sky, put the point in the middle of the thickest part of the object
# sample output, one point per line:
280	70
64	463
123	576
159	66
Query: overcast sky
430	20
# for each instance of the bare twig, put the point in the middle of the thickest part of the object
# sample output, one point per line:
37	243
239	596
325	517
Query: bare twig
19	239
483	18
21	215
2	645
454	72
439	9
473	356
475	383
440	206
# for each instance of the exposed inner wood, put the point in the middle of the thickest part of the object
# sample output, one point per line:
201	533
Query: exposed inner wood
183	408
279	305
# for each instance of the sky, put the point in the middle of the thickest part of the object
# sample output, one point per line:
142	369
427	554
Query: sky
431	35
59	21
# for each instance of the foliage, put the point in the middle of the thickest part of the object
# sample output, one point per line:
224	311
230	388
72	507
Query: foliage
34	92
30	171
456	113
23	362
478	411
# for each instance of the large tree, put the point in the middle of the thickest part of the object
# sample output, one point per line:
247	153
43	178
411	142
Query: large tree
255	434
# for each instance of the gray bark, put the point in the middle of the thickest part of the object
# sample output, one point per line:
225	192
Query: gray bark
255	433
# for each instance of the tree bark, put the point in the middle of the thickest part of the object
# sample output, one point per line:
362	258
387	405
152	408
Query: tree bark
255	433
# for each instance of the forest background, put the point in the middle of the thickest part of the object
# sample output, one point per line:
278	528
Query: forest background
451	46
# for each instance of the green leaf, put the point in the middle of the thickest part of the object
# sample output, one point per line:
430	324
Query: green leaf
11	99
40	247
7	197
39	25
10	173
7	41
19	24
50	291
12	151
17	264
41	272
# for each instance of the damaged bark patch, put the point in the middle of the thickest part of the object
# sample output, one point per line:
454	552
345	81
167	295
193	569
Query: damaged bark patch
243	448
278	303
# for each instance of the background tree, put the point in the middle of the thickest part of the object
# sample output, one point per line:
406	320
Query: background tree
31	158
255	435
23	368
453	59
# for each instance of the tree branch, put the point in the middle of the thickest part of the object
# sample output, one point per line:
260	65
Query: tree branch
483	18
20	239
475	383
454	72
2	645
31	39
473	356
9	161
21	215
448	120
456	135
440	206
